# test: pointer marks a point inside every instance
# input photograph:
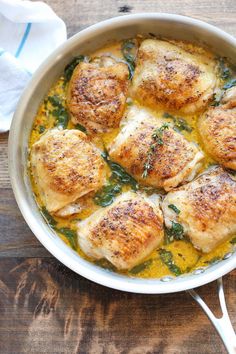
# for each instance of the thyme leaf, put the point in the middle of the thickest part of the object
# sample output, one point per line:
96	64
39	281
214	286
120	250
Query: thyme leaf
157	138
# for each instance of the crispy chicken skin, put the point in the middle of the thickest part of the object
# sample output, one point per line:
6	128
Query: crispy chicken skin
207	208
66	166
171	76
125	232
97	94
174	162
217	128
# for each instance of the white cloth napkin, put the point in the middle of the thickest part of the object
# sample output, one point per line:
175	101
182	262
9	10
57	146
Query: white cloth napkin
29	32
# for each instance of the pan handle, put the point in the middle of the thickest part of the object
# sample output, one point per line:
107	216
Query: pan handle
223	324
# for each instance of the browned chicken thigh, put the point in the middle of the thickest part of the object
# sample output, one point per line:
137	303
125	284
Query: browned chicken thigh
66	166
174	76
125	232
217	128
97	94
206	208
153	152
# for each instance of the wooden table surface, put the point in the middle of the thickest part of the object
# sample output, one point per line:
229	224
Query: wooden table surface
46	308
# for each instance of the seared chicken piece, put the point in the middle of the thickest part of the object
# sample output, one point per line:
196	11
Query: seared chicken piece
218	130
97	94
207	208
172	76
172	161
125	232
65	166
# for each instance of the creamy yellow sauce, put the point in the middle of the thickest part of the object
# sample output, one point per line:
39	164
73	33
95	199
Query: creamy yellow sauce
185	256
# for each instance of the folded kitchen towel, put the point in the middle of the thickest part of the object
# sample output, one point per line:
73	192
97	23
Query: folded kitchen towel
29	32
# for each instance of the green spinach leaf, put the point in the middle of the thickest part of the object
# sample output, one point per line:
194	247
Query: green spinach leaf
119	173
128	49
176	232
229	84
72	65
51	221
141	267
173	207
59	111
167	259
106	195
233	241
71	235
81	127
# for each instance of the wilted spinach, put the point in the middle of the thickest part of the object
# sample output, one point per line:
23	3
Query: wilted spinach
51	221
128	49
141	267
225	72
176	232
71	235
233	241
179	123
174	208
119	173
81	128
59	111
72	65
167	259
106	195
229	84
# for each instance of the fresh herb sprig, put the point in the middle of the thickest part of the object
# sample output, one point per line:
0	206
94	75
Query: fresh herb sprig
157	139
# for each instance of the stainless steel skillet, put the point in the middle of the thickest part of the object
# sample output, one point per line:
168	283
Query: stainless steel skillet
88	40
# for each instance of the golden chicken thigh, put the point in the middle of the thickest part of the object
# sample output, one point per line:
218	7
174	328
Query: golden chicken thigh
174	76
173	161
97	94
217	128
125	232
66	166
207	208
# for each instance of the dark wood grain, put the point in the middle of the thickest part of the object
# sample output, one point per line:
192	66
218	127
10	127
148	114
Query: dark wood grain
46	308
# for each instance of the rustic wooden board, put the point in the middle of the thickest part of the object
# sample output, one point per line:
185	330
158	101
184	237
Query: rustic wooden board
44	307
